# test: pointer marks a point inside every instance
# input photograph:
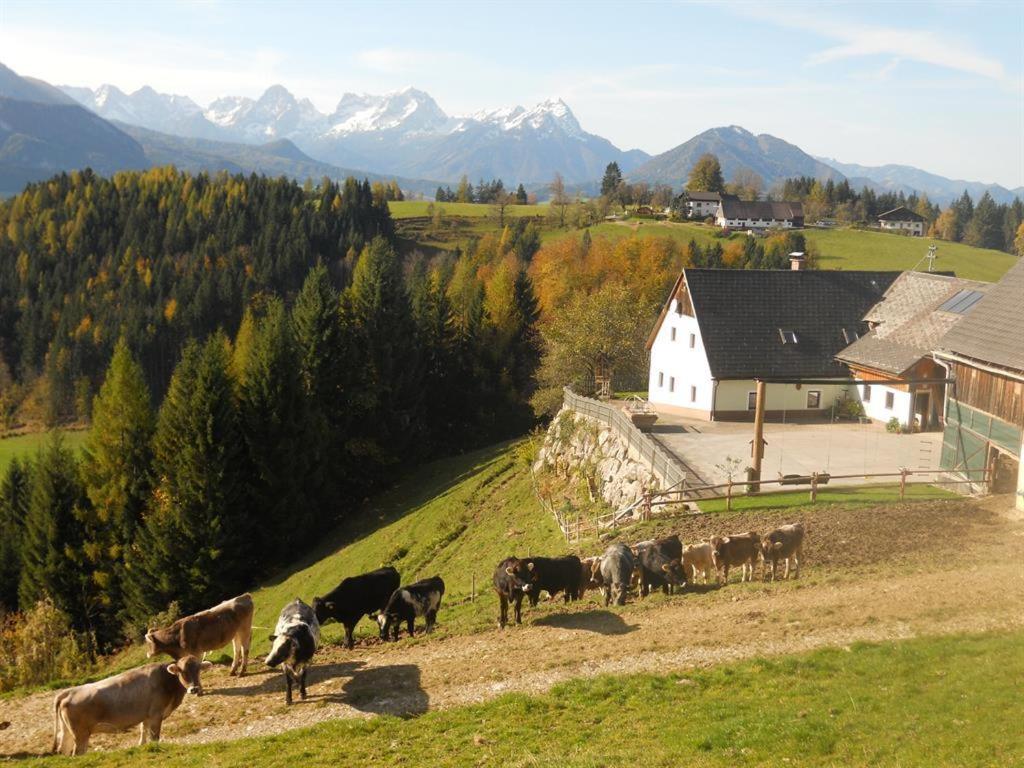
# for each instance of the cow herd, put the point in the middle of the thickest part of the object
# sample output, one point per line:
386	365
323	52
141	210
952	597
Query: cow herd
148	695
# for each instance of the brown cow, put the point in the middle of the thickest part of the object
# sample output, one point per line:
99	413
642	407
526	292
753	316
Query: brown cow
700	558
590	574
207	631
784	543
144	696
740	549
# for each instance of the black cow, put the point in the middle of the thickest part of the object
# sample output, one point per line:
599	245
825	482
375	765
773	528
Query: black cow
554	575
422	598
512	580
658	568
295	640
357	596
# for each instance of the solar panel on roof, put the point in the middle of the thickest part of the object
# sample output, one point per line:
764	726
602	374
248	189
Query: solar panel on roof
961	302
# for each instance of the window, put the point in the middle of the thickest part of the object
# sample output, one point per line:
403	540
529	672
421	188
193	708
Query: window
889	399
751	401
813	398
671	383
693	340
661	379
867	393
673	334
788	337
693	394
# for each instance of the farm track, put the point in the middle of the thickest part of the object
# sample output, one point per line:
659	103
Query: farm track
914	570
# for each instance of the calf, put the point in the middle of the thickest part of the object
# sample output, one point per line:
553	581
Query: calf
144	696
513	579
207	631
740	549
296	638
356	596
554	575
659	569
590	575
422	598
784	543
699	558
616	570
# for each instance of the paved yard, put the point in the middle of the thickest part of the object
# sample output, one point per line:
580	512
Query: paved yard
839	449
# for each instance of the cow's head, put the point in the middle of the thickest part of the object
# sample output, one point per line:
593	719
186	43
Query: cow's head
281	650
523	574
187	670
674	572
386	621
324	609
718	545
596	578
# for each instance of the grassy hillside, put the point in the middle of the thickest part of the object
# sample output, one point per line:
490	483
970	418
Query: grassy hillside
933	701
407	209
26	446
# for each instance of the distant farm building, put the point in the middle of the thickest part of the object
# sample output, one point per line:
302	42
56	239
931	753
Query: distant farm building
910	321
700	205
759	214
902	219
722	329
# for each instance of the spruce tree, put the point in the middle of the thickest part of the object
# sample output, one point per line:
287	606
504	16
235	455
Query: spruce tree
521	197
612	179
14	497
52	557
195	546
116	466
985	229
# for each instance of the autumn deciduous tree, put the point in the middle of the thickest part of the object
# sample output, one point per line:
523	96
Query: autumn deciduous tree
706	175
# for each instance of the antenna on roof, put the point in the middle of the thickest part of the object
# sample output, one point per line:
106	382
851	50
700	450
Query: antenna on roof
931	256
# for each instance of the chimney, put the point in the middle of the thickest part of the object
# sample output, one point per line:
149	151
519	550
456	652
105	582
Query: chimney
797	261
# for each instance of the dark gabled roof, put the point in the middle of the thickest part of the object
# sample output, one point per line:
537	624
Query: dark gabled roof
762	209
744	314
993	331
704	197
902	213
910	321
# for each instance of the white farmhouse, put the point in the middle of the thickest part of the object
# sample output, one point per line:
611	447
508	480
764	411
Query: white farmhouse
759	214
902	219
722	329
700	205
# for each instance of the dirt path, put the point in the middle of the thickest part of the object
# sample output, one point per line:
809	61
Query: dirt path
971	580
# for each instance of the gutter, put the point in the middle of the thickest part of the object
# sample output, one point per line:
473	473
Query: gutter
1004	372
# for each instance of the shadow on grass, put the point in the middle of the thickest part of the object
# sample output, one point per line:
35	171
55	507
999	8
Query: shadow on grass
272	680
601	622
389	690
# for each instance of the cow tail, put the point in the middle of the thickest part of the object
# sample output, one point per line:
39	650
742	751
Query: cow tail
57	720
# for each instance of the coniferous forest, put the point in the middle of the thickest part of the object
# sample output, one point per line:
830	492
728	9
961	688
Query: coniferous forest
254	357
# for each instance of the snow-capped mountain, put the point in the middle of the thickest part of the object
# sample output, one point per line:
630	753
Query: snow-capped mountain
403	132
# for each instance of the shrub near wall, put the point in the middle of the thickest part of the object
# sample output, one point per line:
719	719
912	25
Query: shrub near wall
39	646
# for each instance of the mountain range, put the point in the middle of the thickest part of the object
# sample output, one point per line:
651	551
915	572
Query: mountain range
403	135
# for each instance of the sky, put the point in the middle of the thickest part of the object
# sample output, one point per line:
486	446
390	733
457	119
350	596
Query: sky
939	86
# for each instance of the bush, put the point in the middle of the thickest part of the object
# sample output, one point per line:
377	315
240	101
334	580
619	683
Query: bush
894	426
39	647
848	408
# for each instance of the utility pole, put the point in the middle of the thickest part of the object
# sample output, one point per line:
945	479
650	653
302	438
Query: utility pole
931	257
757	445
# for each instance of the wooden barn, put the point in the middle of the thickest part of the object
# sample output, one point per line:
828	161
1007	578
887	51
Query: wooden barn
984	411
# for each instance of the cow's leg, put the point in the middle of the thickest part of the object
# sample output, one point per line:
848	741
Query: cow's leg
431	620
502	610
81	743
302	683
236	655
410	624
796	560
153	728
607	592
518	605
725	573
288	686
349	642
142	732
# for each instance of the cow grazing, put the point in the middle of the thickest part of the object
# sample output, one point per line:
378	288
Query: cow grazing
784	543
554	575
658	569
422	598
741	549
700	558
590	575
513	580
296	638
144	696
616	570
207	631
356	596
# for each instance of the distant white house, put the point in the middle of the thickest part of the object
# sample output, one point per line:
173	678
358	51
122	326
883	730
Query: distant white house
722	329
700	205
759	214
902	219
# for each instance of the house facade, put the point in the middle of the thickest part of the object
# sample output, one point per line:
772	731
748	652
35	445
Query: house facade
902	219
910	321
721	330
700	205
984	408
759	214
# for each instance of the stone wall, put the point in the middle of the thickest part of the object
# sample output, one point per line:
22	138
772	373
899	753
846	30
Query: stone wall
578	446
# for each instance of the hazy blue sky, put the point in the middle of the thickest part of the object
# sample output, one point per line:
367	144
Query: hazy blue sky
939	86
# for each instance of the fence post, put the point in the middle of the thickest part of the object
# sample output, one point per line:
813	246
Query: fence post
903	483
728	496
472	594
814	487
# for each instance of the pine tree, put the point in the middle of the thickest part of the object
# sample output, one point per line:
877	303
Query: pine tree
521	197
194	547
14	498
52	559
612	179
985	229
116	471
